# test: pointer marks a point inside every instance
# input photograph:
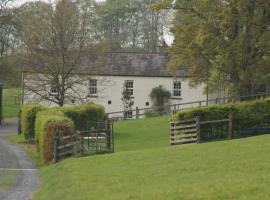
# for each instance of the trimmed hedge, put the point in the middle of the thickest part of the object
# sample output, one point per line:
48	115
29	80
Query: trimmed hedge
48	124
62	120
80	115
245	115
28	117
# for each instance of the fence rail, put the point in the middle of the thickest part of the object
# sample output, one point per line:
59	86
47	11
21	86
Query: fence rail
85	142
66	146
189	131
170	109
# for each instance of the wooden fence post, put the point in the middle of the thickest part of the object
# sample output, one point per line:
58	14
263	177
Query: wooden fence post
108	133
171	132
137	113
174	109
198	127
230	126
55	149
81	142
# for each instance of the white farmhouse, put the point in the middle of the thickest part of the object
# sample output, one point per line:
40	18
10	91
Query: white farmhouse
138	72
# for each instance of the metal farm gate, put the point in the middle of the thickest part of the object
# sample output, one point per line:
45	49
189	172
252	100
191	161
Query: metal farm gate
99	139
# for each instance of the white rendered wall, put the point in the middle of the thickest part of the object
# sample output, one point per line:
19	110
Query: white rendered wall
141	91
111	87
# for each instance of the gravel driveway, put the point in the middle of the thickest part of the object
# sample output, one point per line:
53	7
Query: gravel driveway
13	158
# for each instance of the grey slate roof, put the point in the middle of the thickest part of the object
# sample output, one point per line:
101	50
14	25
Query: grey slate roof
123	64
132	64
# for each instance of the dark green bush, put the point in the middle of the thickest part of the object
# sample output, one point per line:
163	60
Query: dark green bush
80	115
28	117
245	115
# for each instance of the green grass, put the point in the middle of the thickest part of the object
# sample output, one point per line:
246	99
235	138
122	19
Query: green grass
237	169
145	167
149	133
16	138
10	106
7	178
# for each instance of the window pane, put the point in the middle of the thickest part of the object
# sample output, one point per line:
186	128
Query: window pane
177	88
93	86
129	87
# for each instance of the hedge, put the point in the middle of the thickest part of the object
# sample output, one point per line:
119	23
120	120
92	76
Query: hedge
28	117
245	115
48	124
80	115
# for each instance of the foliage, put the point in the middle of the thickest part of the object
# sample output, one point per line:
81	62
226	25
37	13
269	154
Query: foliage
237	169
48	124
80	115
62	120
160	98
129	25
56	38
223	43
245	115
127	99
28	118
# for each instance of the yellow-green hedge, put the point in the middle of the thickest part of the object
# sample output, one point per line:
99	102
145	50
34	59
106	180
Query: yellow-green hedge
28	117
49	123
245	115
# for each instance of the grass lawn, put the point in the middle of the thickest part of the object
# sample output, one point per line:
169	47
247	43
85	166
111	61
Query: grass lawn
149	133
10	106
145	167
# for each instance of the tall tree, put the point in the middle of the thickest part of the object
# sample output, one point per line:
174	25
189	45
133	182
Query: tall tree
223	43
55	39
129	25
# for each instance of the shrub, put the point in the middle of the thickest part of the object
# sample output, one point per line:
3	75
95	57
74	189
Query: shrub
245	115
160	98
80	115
28	117
48	124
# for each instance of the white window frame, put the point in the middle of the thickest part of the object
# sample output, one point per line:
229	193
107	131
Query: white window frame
128	114
177	88
53	90
129	86
93	91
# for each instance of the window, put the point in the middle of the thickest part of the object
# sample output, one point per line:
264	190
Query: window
54	90
129	87
93	87
128	114
177	89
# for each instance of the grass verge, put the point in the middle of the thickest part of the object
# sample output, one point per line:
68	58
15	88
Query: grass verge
29	148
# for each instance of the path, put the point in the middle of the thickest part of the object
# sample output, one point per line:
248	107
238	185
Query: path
13	158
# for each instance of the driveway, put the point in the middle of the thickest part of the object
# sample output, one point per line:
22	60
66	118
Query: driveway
12	158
